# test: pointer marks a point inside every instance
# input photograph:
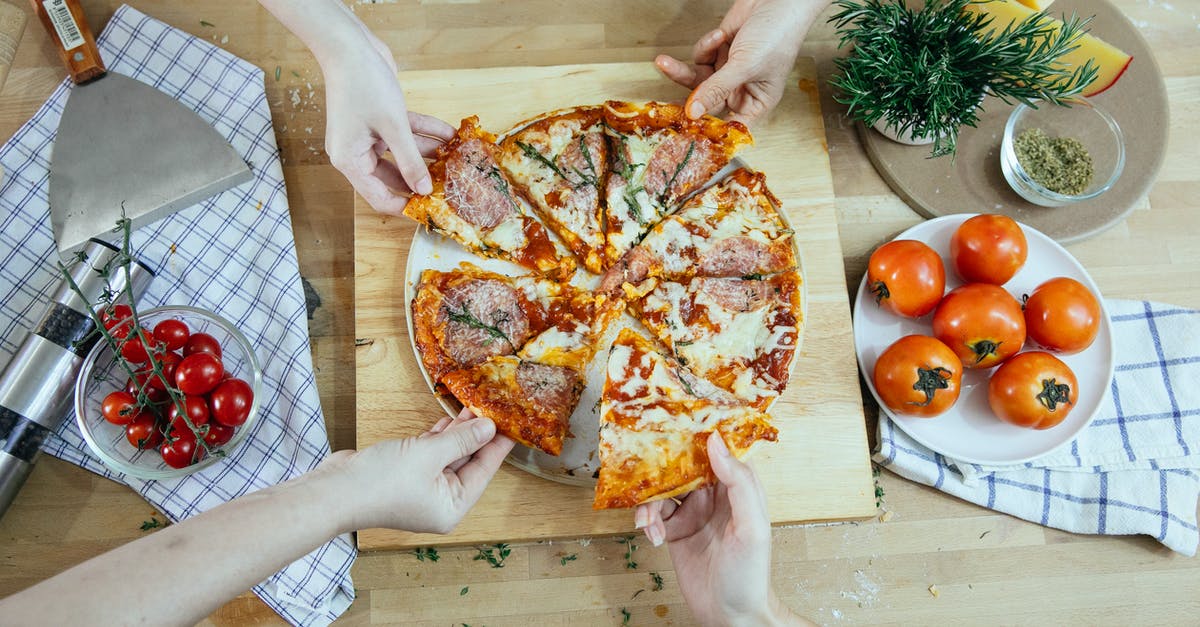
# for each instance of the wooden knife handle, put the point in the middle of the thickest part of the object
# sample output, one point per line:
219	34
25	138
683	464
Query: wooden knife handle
64	21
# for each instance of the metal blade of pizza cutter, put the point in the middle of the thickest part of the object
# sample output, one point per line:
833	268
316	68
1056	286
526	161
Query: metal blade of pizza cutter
126	148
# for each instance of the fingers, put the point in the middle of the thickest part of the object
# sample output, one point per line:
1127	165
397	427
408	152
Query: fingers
710	96
745	493
460	440
678	71
651	516
706	49
409	159
478	472
430	126
377	193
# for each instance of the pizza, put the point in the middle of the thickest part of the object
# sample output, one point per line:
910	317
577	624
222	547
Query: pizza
710	270
739	333
733	229
658	156
656	416
560	162
474	202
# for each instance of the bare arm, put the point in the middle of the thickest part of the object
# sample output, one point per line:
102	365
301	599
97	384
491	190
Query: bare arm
186	571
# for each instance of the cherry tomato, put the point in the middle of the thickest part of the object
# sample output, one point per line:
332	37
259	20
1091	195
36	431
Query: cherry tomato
982	323
918	376
119	407
1062	315
202	343
988	249
153	394
906	277
133	349
197	412
1034	389
172	333
156	386
112	314
230	402
198	373
142	432
218	434
182	450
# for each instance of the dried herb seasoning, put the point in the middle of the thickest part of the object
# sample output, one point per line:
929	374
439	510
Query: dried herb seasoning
1060	164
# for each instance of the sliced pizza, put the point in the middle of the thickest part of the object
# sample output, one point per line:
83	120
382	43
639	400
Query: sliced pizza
732	229
740	334
656	417
560	162
463	317
658	156
474	203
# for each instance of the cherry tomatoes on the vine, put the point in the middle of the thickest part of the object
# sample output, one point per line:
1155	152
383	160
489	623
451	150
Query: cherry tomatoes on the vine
988	249
1034	389
1062	315
172	333
198	373
202	343
119	407
143	432
918	376
230	402
982	323
906	277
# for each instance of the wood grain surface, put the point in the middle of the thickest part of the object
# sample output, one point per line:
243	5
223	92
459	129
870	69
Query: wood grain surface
989	568
819	468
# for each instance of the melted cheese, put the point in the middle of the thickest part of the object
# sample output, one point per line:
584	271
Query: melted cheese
509	235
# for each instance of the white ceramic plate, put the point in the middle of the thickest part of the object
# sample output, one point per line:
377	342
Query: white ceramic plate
579	462
968	431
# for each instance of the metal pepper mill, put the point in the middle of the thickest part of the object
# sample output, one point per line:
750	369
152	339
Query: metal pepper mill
37	387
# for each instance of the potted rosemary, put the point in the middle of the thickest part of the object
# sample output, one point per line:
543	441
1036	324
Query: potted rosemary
919	74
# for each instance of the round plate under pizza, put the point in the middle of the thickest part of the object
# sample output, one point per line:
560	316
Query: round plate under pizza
579	461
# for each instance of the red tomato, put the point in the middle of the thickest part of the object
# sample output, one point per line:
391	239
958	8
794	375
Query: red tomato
119	407
198	373
197	412
153	394
1062	315
230	402
182	450
982	323
143	432
202	343
218	434
172	333
988	249
132	348
1035	390
112	314
906	277
918	376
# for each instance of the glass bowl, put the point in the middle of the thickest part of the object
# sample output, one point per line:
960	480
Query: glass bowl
1084	121
102	374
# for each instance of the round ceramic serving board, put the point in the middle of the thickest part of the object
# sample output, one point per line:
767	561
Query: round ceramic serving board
971	181
579	461
968	431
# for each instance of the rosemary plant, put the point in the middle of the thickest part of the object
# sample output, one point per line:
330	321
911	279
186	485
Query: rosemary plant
925	70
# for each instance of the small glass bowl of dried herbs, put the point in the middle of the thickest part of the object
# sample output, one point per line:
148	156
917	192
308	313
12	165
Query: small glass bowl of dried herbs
1053	156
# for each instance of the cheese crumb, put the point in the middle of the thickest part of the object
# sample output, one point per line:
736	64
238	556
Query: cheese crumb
933	589
886	516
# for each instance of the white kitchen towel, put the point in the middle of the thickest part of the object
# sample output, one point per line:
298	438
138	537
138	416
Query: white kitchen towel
233	254
1133	470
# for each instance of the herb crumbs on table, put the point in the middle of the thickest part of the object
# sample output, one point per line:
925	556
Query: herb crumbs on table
208	24
568	558
625	616
153	523
424	553
493	555
658	581
463	591
630	547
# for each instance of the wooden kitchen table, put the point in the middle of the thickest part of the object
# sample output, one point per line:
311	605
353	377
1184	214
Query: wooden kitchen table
987	567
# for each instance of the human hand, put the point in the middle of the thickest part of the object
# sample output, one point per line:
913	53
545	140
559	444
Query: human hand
367	117
743	65
719	538
427	483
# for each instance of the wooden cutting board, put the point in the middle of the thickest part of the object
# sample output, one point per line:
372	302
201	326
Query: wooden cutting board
819	469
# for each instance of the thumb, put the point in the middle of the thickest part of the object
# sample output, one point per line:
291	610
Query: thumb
711	95
745	494
461	440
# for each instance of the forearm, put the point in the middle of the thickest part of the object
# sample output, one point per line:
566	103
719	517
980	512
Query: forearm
326	27
184	572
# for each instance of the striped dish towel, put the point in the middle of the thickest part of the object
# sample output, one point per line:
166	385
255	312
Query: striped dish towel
1134	470
233	254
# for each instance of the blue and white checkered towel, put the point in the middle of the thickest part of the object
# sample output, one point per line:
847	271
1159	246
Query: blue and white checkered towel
1133	470
233	254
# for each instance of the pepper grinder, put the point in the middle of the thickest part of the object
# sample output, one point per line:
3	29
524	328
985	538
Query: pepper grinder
37	387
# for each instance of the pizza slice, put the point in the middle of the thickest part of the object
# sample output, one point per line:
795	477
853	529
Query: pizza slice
560	162
531	395
463	317
474	203
740	334
656	417
733	229
657	157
